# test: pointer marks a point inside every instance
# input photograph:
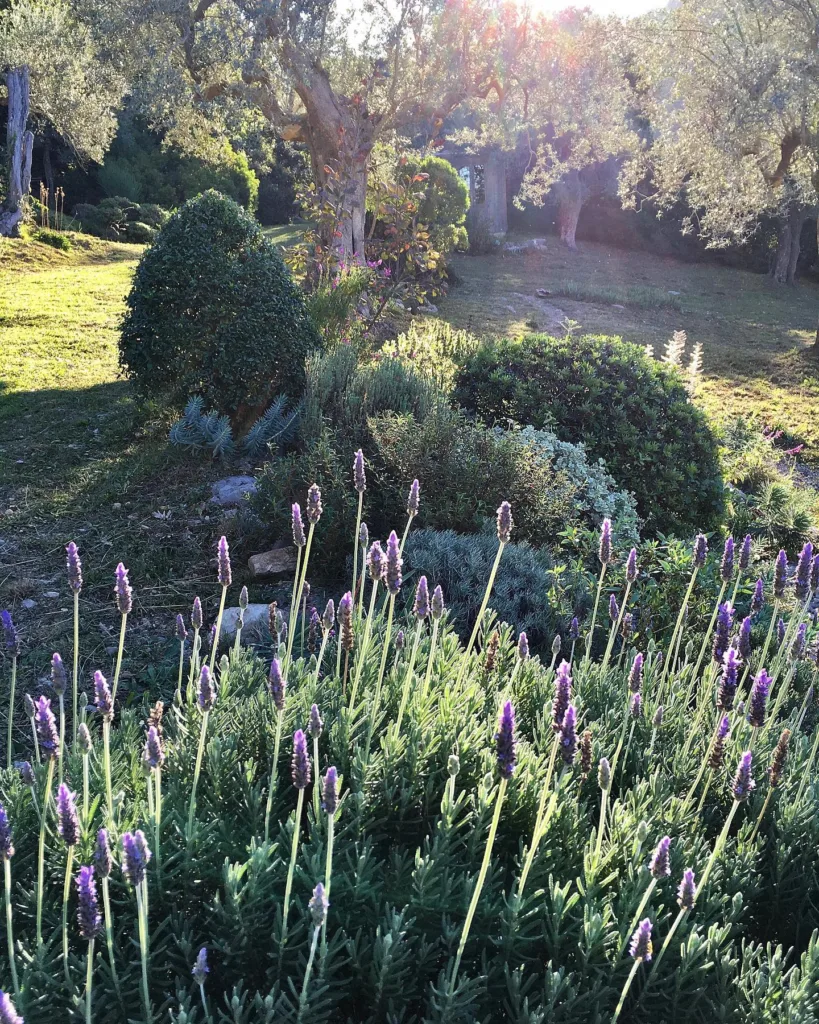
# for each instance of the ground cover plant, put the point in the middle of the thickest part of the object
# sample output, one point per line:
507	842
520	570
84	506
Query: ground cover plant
454	831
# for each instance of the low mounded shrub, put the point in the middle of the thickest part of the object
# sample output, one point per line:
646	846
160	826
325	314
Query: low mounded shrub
626	408
213	312
117	219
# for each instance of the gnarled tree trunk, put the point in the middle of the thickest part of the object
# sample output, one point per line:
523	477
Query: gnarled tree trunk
569	195
783	269
20	143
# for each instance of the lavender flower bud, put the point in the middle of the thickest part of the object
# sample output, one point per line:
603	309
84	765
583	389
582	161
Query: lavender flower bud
743	784
300	763
329	617
359	475
421	606
657	720
803	570
659	658
604	774
400	640
604	551
376	562
745	553
722	632
11	635
716	755
102	696
276	685
567	737
316	725
557	643
728	680
394	564
627	626
641	947
27	776
74	566
363	536
154	754
135	857
224	574
635	676
726	569
780	756
758	599
659	865
8	1015
523	647
196	614
88	911
6	838
797	652
58	676
700	550
318	906
329	791
181	631
574	629
244	599
414	499
314	508
505	522
563	694
744	644
46	727
636	705
84	739
122	591
205	690
200	969
492	645
586	753
780	575
298	526
687	892
30	706
313	630
631	566
68	822
438	607
614	609
103	860
505	742
345	618
759	699
453	765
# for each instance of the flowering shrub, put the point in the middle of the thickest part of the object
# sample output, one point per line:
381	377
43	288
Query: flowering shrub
380	822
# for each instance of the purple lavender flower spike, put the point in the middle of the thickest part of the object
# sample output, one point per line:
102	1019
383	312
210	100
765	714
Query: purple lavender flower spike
799	642
315	725
300	763
700	550
59	680
687	892
636	705
6	838
743	784
359	474
563	694
27	776
641	947
722	632
298	526
376	562
414	499
505	522
814	574
345	621
318	906
394	564
614	610
574	629
8	1015
635	676
728	680
46	726
744	644
745	553
780	575
567	737
122	591
200	969
154	754
523	647
11	635
438	606
74	567
314	507
659	865
102	696
211	637
604	551
421	606
196	614
627	626
631	566
205	690
803	569
505	742
716	755
88	911
758	600
135	857
225	574
364	536
759	699
68	822
181	631
726	569
329	791
657	720
780	631
103	860
329	617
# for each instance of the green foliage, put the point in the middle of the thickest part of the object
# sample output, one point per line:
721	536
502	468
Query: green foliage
333	305
213	312
445	203
56	239
199	430
117	219
627	409
434	348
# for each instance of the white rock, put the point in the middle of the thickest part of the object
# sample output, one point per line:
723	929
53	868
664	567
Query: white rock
29	603
232	490
51	593
256	616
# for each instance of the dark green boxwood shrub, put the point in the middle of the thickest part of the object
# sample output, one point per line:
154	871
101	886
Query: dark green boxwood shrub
213	312
626	407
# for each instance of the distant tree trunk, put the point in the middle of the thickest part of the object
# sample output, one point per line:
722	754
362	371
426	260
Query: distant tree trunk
19	146
788	244
569	194
48	166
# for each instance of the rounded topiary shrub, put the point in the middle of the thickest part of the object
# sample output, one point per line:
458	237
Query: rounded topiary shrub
626	407
213	311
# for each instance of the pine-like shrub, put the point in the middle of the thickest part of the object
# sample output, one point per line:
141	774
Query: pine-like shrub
626	408
213	312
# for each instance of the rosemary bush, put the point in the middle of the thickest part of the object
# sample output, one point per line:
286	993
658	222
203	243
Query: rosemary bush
495	838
